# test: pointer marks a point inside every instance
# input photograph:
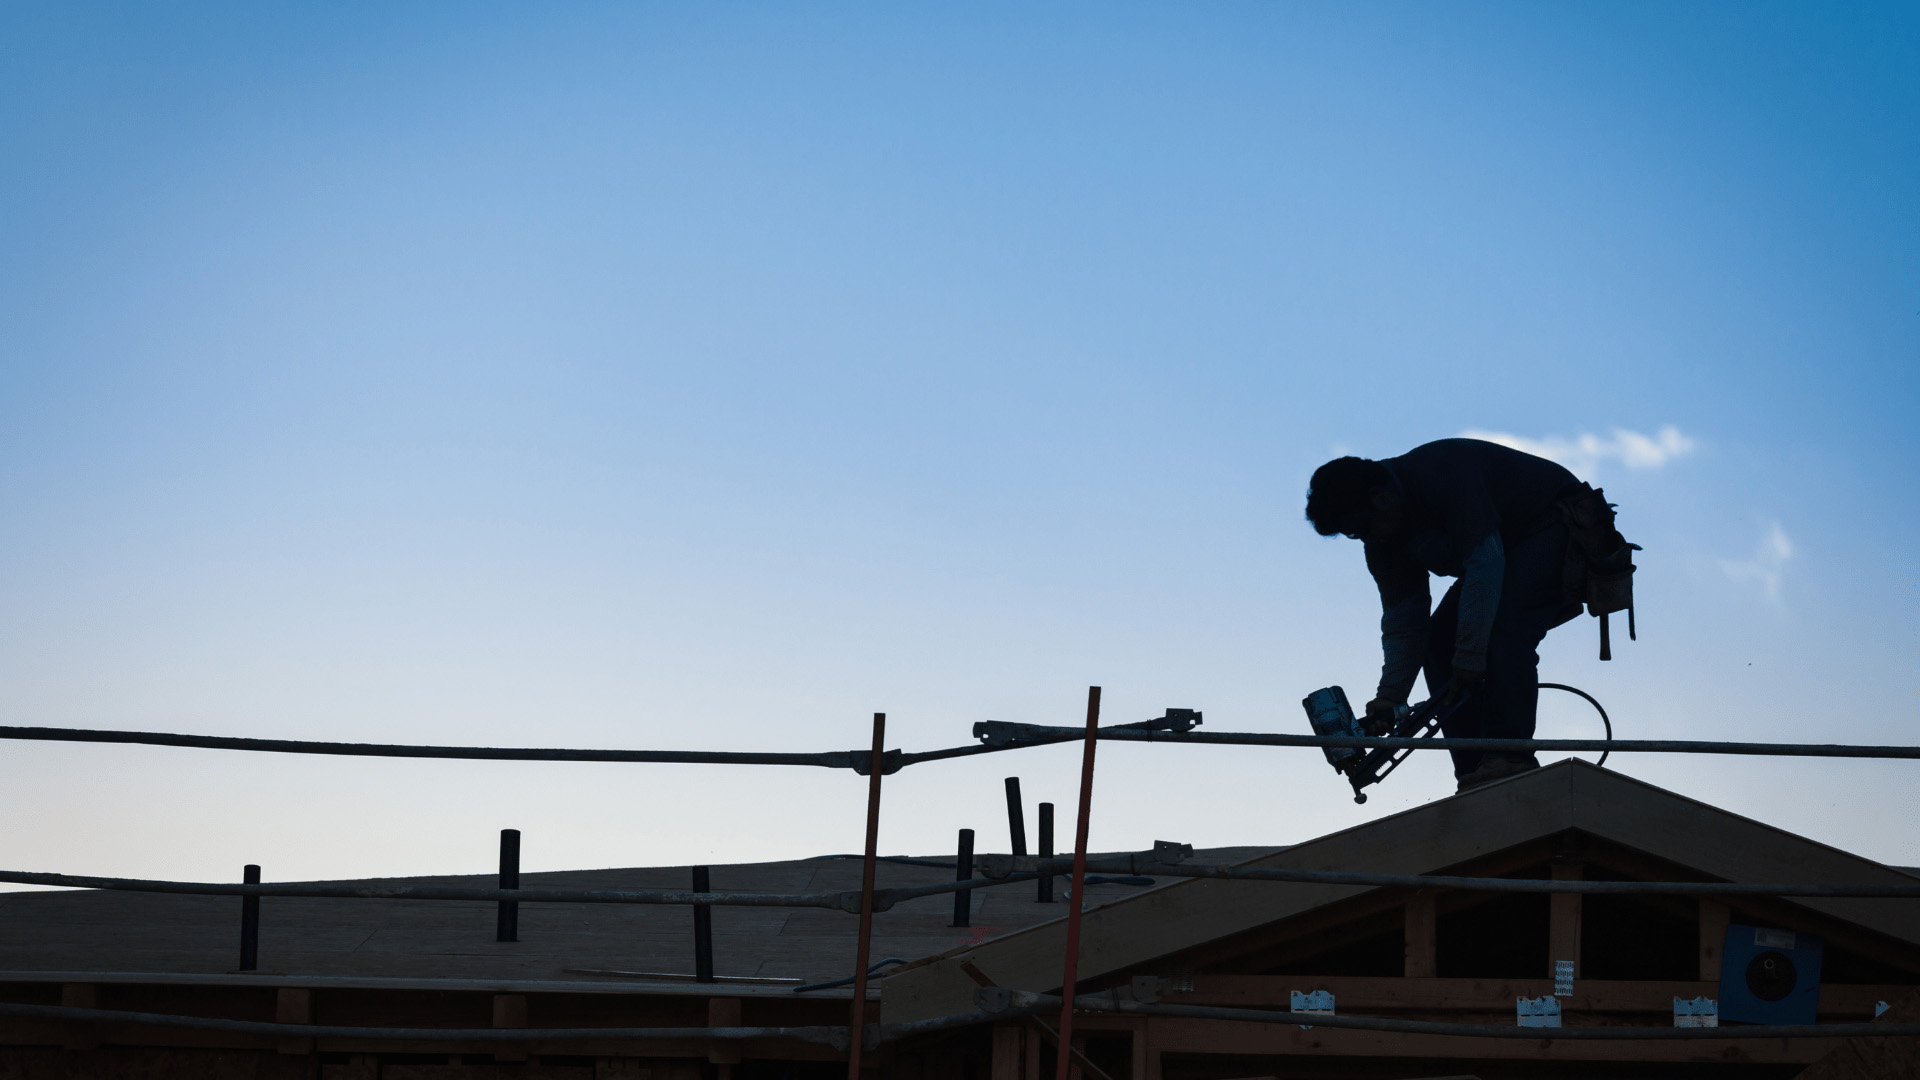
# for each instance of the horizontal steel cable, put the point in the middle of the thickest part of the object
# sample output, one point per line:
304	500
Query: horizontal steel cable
1039	735
835	1037
835	759
894	760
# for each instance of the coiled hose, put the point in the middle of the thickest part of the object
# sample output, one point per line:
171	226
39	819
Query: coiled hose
1591	700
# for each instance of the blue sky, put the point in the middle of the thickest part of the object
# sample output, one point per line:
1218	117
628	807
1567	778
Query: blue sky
702	376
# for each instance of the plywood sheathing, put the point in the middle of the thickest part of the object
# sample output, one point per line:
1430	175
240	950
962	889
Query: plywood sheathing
1525	809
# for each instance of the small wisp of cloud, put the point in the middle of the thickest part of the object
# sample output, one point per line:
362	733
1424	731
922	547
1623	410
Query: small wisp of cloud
1768	564
1584	453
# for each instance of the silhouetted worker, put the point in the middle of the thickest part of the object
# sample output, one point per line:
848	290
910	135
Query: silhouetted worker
1490	517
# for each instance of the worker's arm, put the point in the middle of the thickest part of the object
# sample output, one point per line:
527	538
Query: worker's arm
1404	613
1403	640
1480	581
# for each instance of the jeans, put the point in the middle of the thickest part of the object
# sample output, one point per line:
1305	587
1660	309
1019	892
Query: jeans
1531	603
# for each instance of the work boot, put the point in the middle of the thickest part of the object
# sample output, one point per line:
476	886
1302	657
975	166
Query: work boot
1495	768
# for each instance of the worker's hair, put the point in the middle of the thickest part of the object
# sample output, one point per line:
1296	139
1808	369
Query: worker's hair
1340	495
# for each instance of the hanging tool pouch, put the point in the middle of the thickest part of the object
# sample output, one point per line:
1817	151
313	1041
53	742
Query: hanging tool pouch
1599	562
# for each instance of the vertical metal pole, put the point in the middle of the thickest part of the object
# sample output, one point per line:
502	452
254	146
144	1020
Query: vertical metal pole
250	922
702	928
857	1028
1075	900
963	871
1016	816
1045	895
507	921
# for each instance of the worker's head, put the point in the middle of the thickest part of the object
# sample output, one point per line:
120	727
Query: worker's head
1350	496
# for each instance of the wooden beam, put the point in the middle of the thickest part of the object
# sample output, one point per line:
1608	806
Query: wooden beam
1079	1064
1353	992
510	1011
1563	917
1422	914
293	1006
1137	1045
1713	936
1032	1059
1006	1051
80	1034
723	1012
1189	1036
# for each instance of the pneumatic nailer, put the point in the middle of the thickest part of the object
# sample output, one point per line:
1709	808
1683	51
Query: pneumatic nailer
1363	767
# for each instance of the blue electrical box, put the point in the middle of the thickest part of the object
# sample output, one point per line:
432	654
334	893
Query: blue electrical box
1769	976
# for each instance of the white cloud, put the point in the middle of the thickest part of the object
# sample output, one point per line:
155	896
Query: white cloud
1584	452
1768	563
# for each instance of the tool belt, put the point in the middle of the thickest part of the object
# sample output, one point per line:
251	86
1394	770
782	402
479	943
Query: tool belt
1598	568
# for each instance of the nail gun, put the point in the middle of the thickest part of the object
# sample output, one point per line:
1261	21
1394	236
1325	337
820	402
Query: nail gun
1329	713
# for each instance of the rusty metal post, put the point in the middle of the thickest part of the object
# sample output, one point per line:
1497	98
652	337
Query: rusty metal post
250	921
1043	891
857	1028
1076	897
702	928
963	871
506	923
1016	816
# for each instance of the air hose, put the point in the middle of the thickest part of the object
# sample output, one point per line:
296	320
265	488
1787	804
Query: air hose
1591	700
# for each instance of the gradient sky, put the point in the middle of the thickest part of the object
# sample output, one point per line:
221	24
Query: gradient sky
712	376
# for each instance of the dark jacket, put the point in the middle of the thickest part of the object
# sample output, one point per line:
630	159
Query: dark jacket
1463	500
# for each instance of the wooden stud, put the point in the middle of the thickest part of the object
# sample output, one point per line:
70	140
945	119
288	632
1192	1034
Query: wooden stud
80	1033
1563	918
1032	1068
510	1011
1079	1064
723	1012
1149	1051
1422	917
1006	1052
1714	917
293	1006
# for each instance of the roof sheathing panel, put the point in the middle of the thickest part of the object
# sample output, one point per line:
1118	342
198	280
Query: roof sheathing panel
1497	817
1192	912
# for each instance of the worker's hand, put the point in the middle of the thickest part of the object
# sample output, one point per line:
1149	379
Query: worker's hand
1379	719
1462	683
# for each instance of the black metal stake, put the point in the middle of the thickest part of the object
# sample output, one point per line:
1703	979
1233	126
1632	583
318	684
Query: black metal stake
963	871
1046	851
702	929
507	925
1016	816
250	922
